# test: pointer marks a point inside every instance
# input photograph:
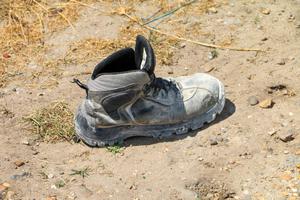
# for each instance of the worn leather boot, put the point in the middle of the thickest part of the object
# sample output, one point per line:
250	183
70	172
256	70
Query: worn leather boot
125	99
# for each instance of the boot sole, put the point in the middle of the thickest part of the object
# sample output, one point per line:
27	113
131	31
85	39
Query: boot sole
116	135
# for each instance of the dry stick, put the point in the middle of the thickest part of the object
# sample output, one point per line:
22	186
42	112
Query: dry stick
185	39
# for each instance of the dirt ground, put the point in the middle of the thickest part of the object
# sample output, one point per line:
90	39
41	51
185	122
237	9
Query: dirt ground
248	153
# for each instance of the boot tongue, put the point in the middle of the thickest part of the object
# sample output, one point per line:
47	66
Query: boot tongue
144	55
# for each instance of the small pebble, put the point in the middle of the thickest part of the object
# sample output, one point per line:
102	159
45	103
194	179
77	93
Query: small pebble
213	141
19	163
281	62
212	10
224	130
182	45
272	132
284	124
267	103
25	142
50	176
200	159
253	100
286	136
266	11
6	185
2	189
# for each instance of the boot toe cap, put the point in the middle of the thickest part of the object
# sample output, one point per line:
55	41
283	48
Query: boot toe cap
200	92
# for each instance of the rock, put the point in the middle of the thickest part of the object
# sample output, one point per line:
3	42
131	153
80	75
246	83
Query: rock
286	136
19	163
265	11
272	132
2	189
264	39
284	124
281	62
212	10
267	103
6	185
213	141
182	45
253	100
50	176
224	130
6	55
25	142
133	187
200	159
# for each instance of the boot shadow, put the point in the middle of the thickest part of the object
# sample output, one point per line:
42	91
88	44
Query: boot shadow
229	110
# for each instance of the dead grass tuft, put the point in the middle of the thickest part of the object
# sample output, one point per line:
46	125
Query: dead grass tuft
24	24
53	123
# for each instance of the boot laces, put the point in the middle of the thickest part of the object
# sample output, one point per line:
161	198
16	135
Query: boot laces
157	85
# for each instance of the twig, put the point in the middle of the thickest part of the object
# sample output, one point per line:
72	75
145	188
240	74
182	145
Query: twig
123	13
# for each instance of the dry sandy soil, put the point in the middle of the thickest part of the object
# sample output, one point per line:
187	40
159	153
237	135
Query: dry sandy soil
249	161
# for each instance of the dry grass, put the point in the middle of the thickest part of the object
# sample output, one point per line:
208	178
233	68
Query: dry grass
23	28
26	24
53	123
94	49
